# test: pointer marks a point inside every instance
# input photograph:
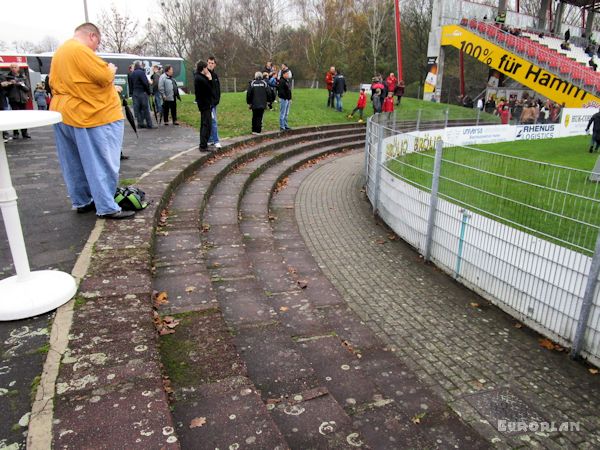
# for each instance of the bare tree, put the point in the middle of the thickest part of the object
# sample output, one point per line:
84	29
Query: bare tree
260	24
118	31
24	46
416	21
375	12
47	44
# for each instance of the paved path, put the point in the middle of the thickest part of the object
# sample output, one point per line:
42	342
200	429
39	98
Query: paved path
54	237
472	355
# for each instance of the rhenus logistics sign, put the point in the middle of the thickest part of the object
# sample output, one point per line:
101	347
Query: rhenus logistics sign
526	73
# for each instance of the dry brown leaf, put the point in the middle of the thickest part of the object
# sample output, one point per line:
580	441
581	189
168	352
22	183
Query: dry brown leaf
380	241
168	319
197	422
547	344
161	299
593	371
284	308
205	227
392	237
164	331
474	305
272	218
190	289
518	325
292	270
416	419
302	283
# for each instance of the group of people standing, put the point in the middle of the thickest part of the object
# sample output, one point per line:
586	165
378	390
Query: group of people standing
15	89
264	90
336	88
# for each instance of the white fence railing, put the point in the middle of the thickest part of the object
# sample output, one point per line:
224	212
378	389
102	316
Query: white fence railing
523	234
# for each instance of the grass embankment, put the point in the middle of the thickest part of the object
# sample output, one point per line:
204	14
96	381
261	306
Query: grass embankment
540	187
309	108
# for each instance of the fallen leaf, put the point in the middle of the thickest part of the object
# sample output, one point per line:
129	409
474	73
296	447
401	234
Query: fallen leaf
416	419
161	299
284	308
546	343
168	319
197	422
474	305
302	283
205	227
164	331
190	289
380	241
172	324
593	371
272	218
392	237
292	270
518	325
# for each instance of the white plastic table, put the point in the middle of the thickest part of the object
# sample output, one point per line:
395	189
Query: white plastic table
27	293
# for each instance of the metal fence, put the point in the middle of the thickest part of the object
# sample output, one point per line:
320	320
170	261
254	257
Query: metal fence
524	234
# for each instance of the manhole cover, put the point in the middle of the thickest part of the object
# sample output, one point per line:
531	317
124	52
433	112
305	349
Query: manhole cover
506	411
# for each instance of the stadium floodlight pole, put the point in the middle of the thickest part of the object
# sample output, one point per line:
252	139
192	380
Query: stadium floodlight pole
398	39
85	11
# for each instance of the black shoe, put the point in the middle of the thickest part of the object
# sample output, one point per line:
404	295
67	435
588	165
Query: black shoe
282	129
166	124
123	157
141	126
287	128
591	149
118	215
176	124
87	208
26	136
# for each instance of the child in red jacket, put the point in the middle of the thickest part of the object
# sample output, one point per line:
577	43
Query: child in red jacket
360	106
388	103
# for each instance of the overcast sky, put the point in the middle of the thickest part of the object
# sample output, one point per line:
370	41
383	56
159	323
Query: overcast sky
33	20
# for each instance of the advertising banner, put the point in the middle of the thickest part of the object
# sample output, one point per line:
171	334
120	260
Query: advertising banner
528	74
575	120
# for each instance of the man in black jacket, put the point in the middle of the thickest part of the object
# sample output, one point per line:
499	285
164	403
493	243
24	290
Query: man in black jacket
141	91
17	90
595	119
214	130
257	97
285	99
3	104
204	90
339	87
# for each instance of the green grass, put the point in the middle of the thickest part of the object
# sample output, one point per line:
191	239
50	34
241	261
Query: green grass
535	185
309	108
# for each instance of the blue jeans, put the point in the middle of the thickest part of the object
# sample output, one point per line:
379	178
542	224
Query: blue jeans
141	108
158	103
284	111
90	160
338	102
214	131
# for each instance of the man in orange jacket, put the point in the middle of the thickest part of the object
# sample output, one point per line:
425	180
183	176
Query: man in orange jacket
89	139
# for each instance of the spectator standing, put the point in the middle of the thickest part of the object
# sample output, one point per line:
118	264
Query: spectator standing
329	83
17	91
41	97
339	88
258	96
214	130
360	105
3	104
90	137
391	82
285	67
504	114
376	99
141	91
480	104
169	93
567	35
155	79
595	119
284	92
388	104
204	90
399	91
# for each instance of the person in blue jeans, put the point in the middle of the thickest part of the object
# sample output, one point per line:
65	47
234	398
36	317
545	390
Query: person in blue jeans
214	130
285	99
339	87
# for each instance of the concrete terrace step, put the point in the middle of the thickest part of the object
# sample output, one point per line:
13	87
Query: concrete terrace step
224	256
110	382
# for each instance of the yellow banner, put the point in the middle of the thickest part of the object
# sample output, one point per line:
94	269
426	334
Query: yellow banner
528	74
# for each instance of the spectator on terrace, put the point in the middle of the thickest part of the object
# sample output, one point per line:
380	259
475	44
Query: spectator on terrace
589	51
592	64
565	45
567	35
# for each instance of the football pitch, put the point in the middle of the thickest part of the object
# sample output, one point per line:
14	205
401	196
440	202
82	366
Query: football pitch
539	186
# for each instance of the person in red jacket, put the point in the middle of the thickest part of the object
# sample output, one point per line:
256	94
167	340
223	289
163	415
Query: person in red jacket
388	105
329	83
391	81
505	115
360	106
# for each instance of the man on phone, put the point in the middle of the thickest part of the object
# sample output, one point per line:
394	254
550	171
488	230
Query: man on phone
17	91
90	138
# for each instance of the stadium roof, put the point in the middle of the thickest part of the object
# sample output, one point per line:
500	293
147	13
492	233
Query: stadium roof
593	5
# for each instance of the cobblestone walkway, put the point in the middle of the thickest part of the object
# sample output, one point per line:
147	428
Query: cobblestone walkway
465	348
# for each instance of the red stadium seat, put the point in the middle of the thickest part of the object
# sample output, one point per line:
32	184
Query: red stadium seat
481	27
472	24
511	40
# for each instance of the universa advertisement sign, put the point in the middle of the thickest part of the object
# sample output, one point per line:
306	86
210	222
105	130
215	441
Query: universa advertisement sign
528	74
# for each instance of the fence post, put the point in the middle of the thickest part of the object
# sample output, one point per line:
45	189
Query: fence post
435	183
478	116
367	152
446	118
235	85
588	298
378	169
419	119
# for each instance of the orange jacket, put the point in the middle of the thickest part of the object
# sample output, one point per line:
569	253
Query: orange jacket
329	80
82	87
